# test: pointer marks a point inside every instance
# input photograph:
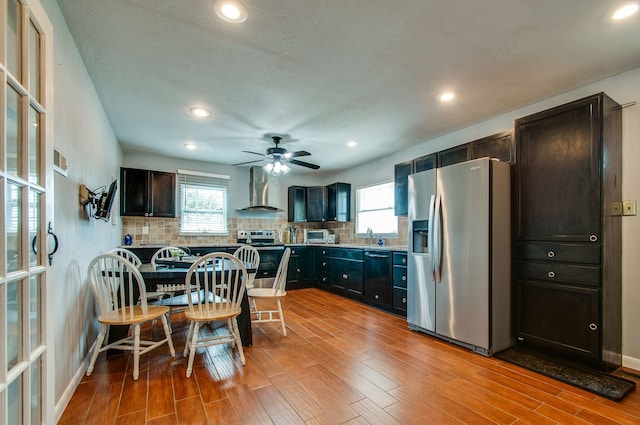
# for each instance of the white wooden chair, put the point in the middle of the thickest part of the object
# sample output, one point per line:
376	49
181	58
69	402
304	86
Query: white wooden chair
215	286
128	255
168	290
251	259
114	281
276	292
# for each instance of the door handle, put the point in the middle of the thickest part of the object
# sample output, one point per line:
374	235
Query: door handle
432	206
437	237
34	245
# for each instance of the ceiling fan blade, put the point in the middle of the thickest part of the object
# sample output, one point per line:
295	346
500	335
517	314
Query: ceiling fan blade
248	162
304	164
255	153
296	154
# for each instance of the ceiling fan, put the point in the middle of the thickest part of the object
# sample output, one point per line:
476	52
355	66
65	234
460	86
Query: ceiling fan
279	157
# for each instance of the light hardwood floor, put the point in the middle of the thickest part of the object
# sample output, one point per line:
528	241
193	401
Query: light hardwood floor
341	363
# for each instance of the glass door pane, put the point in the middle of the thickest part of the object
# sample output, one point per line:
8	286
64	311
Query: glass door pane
34	146
12	131
34	62
34	226
14	324
35	305
12	43
36	392
13	213
14	408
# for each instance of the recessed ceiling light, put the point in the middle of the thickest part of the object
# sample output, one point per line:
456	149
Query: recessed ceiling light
446	96
191	146
352	143
625	11
199	112
230	10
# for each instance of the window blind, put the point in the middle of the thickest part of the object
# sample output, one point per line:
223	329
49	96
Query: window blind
202	202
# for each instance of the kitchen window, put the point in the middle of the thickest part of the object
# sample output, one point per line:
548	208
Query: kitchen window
202	204
374	210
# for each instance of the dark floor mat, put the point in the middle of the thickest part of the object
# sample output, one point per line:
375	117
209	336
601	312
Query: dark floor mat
602	384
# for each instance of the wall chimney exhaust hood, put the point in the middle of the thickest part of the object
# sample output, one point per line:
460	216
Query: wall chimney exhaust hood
259	191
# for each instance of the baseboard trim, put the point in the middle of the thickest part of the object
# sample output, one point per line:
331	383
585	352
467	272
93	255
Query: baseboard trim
631	362
62	404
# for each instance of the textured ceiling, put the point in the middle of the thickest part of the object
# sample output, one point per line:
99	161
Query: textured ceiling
328	71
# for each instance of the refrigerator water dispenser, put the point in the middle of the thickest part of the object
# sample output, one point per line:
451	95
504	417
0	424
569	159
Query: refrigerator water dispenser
420	237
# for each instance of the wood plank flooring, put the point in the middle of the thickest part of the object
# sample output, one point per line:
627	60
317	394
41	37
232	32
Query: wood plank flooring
341	363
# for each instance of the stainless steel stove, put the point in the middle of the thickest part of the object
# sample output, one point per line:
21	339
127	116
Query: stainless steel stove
257	237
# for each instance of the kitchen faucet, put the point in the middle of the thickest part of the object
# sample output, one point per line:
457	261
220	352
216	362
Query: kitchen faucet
370	232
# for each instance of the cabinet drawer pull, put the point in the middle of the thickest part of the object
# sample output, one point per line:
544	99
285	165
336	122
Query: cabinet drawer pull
324	279
593	238
404	261
551	254
551	275
404	300
376	296
404	278
298	270
593	326
324	264
345	276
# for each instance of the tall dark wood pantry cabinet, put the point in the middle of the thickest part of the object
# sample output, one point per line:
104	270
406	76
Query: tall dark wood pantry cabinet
567	258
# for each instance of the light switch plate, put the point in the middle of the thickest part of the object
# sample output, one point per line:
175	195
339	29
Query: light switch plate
628	207
145	230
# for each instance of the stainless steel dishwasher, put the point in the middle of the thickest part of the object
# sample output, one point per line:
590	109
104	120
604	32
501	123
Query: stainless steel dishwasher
378	285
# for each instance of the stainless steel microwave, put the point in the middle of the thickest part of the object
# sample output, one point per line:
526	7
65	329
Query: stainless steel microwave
317	236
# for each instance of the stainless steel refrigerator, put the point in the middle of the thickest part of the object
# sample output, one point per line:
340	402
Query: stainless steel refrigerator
459	254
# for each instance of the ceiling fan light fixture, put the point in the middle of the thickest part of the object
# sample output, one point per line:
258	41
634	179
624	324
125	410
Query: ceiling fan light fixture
233	11
277	168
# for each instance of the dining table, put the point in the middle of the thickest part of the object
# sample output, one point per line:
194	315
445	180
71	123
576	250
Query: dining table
173	271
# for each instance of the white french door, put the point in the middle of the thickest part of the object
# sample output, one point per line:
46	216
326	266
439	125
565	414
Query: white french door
26	375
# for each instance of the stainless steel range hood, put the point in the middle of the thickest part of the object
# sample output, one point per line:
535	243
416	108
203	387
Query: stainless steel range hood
259	191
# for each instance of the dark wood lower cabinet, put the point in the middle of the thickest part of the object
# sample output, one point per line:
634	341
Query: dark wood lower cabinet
378	284
561	317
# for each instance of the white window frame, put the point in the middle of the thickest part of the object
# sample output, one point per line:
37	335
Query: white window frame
207	181
391	208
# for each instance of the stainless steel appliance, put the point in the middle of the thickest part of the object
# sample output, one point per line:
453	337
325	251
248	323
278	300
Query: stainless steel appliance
270	253
318	236
257	237
459	254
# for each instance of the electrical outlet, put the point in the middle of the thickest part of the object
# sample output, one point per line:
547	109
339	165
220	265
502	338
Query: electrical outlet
145	230
628	207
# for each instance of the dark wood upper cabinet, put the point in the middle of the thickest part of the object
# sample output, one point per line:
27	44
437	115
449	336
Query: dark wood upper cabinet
401	187
147	193
424	163
558	173
317	203
297	204
454	155
339	202
499	146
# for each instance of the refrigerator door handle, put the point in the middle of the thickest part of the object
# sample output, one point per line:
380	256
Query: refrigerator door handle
432	206
437	239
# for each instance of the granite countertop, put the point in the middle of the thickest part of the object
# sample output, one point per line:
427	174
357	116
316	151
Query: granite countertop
402	248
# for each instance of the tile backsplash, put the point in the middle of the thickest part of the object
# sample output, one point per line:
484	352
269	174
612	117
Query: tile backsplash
165	231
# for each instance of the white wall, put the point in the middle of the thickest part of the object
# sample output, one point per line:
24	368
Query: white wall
83	134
